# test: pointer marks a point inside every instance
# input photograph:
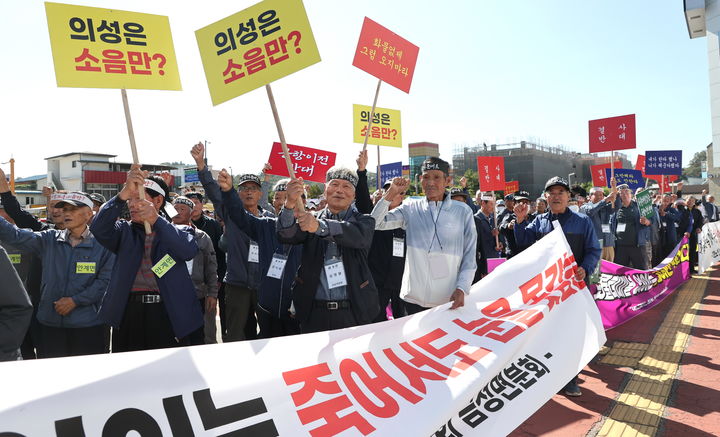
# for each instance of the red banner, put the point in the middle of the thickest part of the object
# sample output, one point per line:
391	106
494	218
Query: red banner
386	55
614	133
511	187
491	173
309	164
598	173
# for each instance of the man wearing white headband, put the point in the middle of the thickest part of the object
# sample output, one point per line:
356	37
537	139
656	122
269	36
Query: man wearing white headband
441	240
487	245
151	301
67	313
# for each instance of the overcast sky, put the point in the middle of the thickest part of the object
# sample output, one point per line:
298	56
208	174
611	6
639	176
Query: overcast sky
488	71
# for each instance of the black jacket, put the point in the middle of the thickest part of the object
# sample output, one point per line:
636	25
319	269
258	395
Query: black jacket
353	237
15	310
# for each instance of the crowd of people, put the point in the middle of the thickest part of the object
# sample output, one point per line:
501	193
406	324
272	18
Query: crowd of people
150	269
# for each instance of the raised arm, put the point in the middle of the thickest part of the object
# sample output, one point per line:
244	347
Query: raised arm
362	193
385	219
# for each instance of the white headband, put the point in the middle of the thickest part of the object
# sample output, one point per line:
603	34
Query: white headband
57	196
78	198
152	185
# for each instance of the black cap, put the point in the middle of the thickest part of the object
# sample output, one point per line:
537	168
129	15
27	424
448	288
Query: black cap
458	192
522	195
194	194
509	197
248	177
557	180
98	198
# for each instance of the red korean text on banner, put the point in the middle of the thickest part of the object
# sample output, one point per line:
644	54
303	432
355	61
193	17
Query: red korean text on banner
309	164
614	133
640	165
491	173
386	55
598	173
511	187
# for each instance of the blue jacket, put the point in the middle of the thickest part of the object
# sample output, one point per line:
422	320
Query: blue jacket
643	231
127	241
274	295
600	214
579	232
240	271
60	277
668	232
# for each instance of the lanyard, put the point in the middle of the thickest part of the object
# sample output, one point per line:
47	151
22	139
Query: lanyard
435	221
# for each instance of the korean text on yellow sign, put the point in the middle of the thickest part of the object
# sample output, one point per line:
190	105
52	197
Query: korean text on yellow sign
256	46
385	127
107	48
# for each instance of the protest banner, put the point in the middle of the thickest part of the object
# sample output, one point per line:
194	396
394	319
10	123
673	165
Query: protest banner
645	203
440	369
598	173
511	187
389	171
491	173
81	34
663	162
640	165
624	292
191	175
386	55
108	48
390	65
613	133
256	46
307	163
708	246
385	127
633	178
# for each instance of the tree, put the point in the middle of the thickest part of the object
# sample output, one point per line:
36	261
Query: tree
315	190
693	169
472	181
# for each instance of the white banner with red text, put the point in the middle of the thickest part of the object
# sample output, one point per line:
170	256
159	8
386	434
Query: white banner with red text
708	246
482	369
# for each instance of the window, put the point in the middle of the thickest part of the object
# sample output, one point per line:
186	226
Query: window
74	164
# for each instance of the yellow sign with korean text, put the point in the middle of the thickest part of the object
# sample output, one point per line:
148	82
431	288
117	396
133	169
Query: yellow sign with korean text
163	266
256	46
107	48
85	268
385	127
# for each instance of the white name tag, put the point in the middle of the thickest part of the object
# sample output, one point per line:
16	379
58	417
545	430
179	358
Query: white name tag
399	247
621	227
277	265
335	274
438	266
605	228
254	253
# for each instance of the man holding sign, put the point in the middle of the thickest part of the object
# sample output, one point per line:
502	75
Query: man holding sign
628	226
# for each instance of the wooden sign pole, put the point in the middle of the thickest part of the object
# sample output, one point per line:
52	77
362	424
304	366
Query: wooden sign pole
281	134
372	114
133	147
612	164
497	239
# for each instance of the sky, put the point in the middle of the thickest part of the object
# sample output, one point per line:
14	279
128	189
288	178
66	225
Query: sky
488	71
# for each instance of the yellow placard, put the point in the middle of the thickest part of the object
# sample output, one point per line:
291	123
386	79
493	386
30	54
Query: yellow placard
163	266
256	46
85	268
385	128
107	48
15	258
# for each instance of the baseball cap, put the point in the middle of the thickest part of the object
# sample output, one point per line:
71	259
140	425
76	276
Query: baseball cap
509	197
458	192
248	177
97	197
557	180
76	198
522	195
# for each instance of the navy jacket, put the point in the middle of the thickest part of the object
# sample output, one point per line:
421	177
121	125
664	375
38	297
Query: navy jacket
274	295
643	231
127	241
579	232
600	214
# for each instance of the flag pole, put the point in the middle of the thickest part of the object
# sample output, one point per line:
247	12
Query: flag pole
133	148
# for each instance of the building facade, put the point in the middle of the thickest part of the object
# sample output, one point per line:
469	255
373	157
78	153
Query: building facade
419	152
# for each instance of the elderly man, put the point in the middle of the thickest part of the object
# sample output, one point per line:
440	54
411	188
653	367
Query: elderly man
599	209
488	242
203	272
630	230
441	240
710	210
75	277
579	232
333	288
151	301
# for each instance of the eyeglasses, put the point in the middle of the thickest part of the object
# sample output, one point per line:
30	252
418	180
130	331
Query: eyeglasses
248	188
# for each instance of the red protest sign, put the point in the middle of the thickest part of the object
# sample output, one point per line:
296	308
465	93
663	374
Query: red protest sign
491	173
640	165
511	187
598	173
386	55
614	133
309	164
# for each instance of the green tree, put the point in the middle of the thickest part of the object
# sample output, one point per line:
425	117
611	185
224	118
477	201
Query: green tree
472	181
693	168
315	190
